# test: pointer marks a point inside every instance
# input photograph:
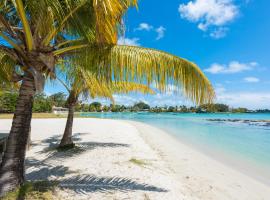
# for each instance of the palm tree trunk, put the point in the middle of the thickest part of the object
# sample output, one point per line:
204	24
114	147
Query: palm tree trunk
28	146
67	137
12	166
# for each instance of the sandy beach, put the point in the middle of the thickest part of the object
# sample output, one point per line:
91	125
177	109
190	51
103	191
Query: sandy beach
116	159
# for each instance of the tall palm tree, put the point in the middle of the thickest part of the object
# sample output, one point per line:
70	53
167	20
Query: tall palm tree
36	35
78	81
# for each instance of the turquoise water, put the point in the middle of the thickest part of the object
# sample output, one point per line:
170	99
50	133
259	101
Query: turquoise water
245	143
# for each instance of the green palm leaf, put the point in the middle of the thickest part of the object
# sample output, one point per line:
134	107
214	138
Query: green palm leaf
148	66
80	81
6	70
162	69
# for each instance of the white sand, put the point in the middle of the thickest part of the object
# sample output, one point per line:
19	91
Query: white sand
101	167
202	176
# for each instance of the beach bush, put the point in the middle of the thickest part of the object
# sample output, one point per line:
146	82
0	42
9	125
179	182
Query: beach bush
41	190
137	162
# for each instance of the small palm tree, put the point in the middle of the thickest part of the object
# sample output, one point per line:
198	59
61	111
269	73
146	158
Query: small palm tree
36	35
78	81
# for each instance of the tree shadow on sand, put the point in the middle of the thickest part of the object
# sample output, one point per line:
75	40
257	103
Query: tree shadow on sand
45	170
84	183
80	147
91	183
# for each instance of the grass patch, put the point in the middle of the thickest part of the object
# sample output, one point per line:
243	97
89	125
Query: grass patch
35	116
137	162
42	190
44	116
6	116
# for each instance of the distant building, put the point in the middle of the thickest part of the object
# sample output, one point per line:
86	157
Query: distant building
59	110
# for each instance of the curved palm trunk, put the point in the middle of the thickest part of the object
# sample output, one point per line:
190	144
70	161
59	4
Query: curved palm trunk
12	166
67	137
28	146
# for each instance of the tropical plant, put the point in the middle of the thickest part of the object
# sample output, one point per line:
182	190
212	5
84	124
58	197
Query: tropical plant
42	103
6	83
141	106
78	81
36	35
95	107
58	99
8	101
218	107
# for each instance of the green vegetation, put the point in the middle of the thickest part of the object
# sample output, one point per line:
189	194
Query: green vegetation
58	99
42	102
214	108
42	190
8	102
37	116
137	162
43	106
263	111
140	106
95	107
239	110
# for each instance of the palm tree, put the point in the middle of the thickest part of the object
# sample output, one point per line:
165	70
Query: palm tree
36	35
78	81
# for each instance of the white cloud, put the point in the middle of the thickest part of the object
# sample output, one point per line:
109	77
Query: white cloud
219	32
172	97
250	100
128	41
210	13
161	32
125	99
219	89
251	79
147	27
144	27
231	68
245	99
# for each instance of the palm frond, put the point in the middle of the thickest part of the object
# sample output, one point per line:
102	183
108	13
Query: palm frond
108	16
118	87
86	82
162	69
10	41
96	88
7	69
148	66
63	22
27	30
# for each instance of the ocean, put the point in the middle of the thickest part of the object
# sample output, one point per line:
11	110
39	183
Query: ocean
241	140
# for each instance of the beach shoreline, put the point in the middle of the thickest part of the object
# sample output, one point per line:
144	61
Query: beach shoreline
151	163
249	168
208	173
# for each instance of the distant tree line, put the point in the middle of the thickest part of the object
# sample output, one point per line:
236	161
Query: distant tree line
45	103
42	102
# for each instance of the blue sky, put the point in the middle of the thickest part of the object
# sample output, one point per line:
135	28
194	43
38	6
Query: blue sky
228	39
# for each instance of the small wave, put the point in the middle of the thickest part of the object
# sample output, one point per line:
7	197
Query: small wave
264	123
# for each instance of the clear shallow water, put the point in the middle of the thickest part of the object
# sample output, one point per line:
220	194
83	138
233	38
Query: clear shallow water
240	142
